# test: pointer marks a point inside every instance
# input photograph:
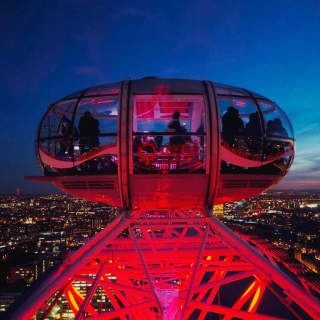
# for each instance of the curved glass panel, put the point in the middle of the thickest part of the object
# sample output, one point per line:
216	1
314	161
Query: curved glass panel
230	91
277	156
89	146
109	89
52	125
168	134
257	95
74	95
95	149
276	122
278	151
56	136
241	135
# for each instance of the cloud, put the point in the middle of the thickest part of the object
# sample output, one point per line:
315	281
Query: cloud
311	129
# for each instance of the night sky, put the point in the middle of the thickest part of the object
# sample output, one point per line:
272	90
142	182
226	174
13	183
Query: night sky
52	48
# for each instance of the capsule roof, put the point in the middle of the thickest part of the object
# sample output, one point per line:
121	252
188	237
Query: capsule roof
148	85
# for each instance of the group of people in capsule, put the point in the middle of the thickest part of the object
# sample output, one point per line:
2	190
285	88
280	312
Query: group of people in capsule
88	134
235	133
178	138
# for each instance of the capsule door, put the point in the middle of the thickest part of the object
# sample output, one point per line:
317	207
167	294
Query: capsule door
168	151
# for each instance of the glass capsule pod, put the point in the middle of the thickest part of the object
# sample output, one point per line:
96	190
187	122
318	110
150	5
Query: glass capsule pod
164	143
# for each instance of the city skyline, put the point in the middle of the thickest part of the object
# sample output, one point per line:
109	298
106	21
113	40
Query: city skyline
52	50
39	232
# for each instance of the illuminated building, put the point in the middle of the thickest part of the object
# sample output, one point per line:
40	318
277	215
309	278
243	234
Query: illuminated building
218	210
166	151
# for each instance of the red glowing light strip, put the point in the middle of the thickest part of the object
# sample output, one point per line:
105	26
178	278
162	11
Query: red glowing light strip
234	313
194	274
145	266
240	104
105	101
268	270
130	310
215	290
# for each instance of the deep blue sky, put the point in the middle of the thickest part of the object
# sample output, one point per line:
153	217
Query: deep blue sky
52	48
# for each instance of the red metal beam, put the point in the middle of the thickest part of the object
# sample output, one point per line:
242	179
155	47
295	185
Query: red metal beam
297	293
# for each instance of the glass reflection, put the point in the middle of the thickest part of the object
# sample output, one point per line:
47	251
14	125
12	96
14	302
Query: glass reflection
276	122
278	148
55	121
245	149
241	135
277	156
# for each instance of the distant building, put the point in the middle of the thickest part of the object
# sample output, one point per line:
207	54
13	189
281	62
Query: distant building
7	298
307	261
218	210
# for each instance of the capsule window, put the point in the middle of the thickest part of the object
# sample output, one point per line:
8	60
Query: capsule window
83	144
55	137
278	147
95	146
168	134
276	122
53	125
241	135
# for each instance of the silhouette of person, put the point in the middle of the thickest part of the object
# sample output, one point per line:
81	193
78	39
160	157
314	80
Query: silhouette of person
253	128
253	132
232	125
269	128
89	131
279	129
177	128
275	128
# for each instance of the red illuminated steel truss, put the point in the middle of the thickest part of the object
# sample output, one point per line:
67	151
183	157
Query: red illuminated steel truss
170	265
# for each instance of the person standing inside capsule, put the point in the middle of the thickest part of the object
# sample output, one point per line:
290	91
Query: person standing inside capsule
89	131
232	126
178	140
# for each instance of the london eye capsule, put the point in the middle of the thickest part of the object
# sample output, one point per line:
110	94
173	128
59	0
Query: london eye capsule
164	143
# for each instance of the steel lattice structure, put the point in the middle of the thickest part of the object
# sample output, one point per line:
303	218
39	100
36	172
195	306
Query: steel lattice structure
170	265
158	148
